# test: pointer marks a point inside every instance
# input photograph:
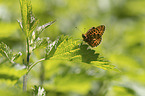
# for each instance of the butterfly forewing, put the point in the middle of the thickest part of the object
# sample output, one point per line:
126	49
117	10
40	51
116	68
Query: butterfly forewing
100	29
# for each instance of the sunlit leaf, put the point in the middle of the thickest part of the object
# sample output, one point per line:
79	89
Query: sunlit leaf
67	49
50	50
71	50
29	22
25	14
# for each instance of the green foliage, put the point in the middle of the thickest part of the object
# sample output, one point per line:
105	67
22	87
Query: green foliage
8	54
36	41
69	49
29	22
29	26
66	50
70	67
12	91
40	29
50	50
69	55
26	13
9	75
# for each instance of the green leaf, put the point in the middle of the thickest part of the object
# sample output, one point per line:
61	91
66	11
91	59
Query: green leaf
67	50
25	15
40	29
50	50
20	24
71	50
7	53
39	42
89	56
35	40
29	22
33	24
16	56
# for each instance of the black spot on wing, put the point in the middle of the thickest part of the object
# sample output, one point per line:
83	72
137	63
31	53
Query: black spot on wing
97	30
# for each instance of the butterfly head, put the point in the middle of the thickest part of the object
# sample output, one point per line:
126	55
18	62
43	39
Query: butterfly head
84	38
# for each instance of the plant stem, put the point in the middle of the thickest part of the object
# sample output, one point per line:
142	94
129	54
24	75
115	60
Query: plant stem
32	65
25	77
28	53
41	74
25	82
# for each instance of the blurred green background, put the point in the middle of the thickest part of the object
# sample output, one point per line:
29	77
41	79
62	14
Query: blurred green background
123	45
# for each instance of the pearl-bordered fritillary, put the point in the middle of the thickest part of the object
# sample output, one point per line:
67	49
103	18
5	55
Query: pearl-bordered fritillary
94	35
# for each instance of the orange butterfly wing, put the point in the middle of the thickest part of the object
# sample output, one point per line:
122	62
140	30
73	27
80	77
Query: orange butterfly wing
94	35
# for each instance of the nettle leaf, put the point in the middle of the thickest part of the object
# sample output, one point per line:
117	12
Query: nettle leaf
20	24
15	56
29	22
36	42
39	42
8	54
50	50
92	58
73	51
24	14
5	51
67	50
29	25
11	74
40	29
33	24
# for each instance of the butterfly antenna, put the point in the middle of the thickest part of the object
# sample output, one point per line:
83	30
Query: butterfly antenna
84	30
78	29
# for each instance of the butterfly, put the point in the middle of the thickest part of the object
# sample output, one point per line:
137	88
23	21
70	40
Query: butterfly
94	35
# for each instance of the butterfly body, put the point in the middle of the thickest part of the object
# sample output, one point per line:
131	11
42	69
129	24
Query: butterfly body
94	35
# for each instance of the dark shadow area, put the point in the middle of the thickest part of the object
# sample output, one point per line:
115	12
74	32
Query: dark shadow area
87	54
12	42
4	76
